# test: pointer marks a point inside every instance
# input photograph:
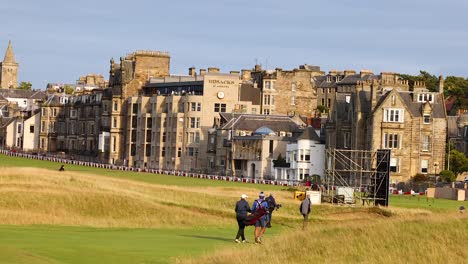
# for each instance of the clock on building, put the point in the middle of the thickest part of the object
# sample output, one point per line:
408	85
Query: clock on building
220	95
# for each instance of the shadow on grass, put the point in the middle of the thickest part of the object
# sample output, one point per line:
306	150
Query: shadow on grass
209	237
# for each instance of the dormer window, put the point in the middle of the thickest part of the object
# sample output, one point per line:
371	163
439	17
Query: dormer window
425	97
427	119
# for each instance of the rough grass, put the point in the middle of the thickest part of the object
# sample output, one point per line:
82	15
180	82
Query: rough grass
39	196
151	222
398	239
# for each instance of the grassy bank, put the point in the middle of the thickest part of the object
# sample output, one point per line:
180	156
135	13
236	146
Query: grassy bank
91	215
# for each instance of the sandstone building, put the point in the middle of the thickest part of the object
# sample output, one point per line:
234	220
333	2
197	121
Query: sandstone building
9	69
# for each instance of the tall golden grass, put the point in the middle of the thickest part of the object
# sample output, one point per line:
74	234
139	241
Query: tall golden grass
397	239
38	196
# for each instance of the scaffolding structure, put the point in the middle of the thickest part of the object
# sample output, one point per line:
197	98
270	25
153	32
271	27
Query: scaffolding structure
367	172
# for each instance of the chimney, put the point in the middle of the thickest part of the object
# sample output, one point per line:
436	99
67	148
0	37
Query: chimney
213	70
234	72
246	75
441	84
192	71
349	72
333	72
258	67
365	72
374	88
202	72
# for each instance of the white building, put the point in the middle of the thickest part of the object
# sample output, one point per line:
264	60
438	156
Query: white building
306	157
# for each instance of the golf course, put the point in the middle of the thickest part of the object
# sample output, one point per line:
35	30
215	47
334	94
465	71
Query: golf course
93	215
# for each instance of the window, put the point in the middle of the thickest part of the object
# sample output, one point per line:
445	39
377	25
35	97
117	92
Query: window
31	129
163	152
268	85
427	119
194	122
114	144
114	122
115	106
323	101
293	87
346	139
72	113
148	136
192	151
135	109
328	102
148	150
134	135
391	141
179	152
266	111
19	128
195	107
220	108
425	142
394	165
197	137
164	137
424	165
134	122
293	100
393	115
132	149
425	97
149	122
268	99
54	112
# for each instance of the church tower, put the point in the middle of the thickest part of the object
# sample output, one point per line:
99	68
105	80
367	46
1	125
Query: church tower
9	69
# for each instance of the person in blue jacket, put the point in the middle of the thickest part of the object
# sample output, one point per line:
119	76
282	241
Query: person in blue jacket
260	225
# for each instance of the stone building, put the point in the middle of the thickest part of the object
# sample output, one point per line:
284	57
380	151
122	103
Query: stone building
248	145
168	125
373	112
286	92
126	80
9	69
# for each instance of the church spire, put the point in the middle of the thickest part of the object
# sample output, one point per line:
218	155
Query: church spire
9	56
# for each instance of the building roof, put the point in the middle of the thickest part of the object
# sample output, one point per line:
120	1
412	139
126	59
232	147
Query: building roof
19	93
249	122
264	130
438	110
9	56
309	134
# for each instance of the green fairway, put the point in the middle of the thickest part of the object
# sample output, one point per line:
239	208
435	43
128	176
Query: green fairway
8	161
55	244
422	202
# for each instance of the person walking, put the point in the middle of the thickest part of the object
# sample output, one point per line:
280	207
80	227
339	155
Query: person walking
242	208
305	210
271	207
260	225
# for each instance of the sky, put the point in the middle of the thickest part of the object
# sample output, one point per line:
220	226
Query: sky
58	41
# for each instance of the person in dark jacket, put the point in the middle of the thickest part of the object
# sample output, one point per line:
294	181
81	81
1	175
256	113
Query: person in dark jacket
305	210
271	207
242	208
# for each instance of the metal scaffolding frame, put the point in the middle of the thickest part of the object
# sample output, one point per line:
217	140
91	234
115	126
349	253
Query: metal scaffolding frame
358	169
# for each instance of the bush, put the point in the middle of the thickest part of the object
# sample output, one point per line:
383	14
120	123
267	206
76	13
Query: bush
419	177
447	176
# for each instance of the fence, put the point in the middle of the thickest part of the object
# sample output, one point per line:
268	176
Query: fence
151	171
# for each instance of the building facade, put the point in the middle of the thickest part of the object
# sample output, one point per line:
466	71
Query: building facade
9	69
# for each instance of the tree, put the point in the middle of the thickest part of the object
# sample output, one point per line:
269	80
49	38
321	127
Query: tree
447	176
458	162
68	89
419	177
431	81
24	86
